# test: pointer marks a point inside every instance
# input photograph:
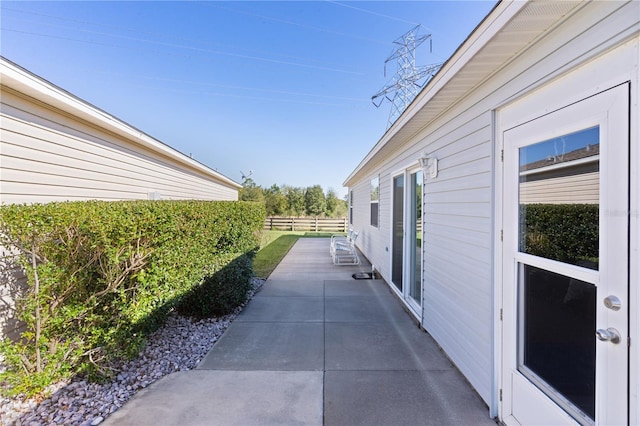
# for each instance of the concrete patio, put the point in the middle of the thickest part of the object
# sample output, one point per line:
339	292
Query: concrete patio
315	347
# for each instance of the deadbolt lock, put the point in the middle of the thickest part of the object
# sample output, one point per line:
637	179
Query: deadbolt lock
612	302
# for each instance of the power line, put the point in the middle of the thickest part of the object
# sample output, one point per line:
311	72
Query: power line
240	96
165	43
371	12
297	24
197	49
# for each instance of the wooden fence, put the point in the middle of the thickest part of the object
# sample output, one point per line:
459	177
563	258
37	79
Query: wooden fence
306	224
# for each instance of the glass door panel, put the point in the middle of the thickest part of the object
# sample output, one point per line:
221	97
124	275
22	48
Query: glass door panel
397	256
558	195
558	349
415	237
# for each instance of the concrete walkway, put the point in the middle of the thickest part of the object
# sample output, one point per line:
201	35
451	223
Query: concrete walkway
315	347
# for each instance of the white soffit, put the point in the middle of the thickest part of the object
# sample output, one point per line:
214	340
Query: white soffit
509	29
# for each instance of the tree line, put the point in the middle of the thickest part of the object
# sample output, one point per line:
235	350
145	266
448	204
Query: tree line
294	201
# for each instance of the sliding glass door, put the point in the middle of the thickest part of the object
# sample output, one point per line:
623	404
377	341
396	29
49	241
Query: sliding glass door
406	253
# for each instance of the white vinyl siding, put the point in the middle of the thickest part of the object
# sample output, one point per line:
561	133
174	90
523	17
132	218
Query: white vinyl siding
582	188
49	156
564	183
458	245
458	203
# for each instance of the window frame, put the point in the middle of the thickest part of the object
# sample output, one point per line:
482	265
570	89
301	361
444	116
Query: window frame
374	201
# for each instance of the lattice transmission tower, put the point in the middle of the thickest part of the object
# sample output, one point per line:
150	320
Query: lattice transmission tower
409	78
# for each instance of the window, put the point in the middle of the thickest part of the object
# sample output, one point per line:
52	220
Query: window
351	207
375	200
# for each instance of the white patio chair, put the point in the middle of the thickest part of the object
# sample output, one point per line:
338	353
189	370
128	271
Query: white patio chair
340	241
335	238
344	252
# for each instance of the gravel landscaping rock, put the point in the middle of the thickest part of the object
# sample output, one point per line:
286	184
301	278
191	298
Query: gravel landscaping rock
179	345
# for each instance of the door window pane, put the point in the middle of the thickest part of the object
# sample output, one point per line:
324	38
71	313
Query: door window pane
559	192
557	341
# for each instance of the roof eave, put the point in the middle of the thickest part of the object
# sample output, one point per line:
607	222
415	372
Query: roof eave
491	25
23	81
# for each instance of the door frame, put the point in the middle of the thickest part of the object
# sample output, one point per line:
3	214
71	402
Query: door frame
565	91
607	110
415	308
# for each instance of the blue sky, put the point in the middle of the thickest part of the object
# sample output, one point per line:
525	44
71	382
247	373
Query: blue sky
280	88
560	146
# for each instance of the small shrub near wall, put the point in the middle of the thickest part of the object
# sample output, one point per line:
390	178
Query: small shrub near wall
101	275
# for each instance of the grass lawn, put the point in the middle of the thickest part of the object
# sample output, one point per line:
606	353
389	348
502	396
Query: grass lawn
274	247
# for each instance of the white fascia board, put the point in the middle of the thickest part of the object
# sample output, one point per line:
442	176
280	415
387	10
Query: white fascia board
491	25
23	81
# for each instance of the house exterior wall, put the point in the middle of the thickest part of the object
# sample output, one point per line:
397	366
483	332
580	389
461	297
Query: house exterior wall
566	178
48	155
581	188
459	205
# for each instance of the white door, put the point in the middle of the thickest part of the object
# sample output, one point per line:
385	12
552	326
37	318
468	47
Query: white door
565	265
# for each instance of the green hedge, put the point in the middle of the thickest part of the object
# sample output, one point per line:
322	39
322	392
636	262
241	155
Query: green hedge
563	232
102	275
215	296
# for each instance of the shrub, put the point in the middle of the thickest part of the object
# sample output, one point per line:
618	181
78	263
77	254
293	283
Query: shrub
221	292
563	232
101	275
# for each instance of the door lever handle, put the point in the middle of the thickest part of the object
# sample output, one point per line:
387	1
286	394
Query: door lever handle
609	335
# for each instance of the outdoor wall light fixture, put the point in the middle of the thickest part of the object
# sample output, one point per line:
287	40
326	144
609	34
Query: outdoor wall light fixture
429	166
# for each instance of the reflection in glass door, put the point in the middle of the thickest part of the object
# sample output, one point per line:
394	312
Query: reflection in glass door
559	220
397	255
415	237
